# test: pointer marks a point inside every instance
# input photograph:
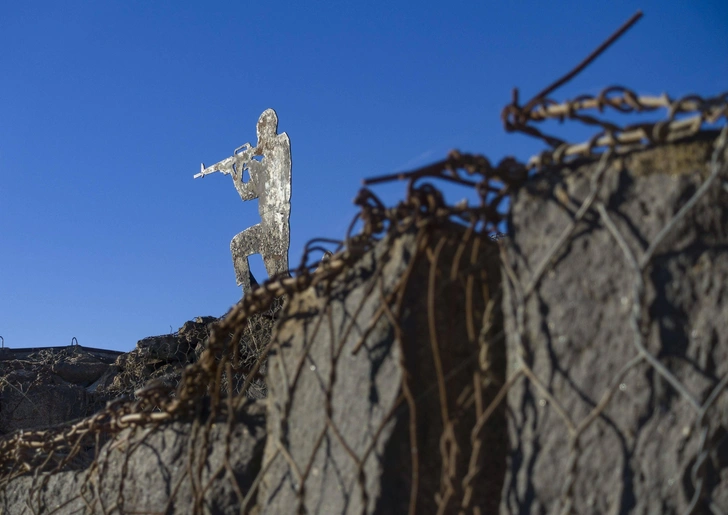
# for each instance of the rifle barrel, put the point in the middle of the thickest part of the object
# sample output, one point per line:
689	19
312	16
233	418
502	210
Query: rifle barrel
224	167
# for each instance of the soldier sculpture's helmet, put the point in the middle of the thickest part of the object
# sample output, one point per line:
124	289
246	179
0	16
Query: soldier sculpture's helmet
267	124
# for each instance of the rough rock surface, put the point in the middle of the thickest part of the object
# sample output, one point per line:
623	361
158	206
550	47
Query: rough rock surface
57	385
49	387
146	471
331	410
142	470
159	357
639	454
42	405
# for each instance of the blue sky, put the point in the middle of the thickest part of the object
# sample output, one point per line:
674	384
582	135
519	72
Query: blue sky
107	109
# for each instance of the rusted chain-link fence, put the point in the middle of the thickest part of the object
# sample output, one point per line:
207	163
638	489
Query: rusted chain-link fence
407	315
610	312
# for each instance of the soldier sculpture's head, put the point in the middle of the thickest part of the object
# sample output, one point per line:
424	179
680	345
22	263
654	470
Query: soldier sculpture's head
267	125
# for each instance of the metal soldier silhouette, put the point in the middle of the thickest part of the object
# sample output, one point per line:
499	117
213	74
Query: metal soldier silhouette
270	183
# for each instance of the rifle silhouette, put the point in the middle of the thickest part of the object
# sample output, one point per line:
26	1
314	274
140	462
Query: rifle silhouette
234	163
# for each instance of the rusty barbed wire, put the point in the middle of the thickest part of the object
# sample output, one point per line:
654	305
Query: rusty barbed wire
705	110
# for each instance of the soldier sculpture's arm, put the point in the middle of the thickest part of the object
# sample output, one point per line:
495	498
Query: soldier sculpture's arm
235	166
243	159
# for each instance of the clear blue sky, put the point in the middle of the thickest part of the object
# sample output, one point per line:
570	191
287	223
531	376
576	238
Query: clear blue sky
107	109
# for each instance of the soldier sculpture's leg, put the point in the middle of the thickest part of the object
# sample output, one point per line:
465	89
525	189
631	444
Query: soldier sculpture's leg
276	264
275	248
243	245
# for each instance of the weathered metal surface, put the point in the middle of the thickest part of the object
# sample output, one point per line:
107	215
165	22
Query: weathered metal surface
269	168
